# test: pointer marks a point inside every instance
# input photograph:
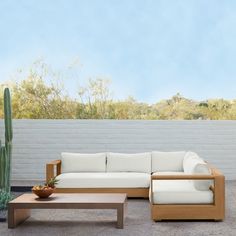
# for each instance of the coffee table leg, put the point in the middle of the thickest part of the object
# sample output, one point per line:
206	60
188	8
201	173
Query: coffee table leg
17	216
125	208
120	216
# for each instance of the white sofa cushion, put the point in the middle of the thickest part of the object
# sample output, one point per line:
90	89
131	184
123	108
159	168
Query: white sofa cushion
189	157
193	164
179	192
79	162
167	161
104	180
123	162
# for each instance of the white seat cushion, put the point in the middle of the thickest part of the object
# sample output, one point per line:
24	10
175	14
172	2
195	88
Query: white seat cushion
124	162
179	192
81	162
104	180
193	164
167	161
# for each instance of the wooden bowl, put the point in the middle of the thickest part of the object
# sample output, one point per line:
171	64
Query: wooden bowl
43	193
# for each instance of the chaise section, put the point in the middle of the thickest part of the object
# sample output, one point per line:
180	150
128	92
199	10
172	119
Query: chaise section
178	191
166	203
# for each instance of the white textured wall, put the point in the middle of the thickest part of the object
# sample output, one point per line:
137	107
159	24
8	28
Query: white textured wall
38	141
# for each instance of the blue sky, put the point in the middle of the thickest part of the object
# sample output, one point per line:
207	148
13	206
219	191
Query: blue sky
149	49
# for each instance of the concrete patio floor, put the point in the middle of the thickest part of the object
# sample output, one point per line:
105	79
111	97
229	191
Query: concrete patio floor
138	222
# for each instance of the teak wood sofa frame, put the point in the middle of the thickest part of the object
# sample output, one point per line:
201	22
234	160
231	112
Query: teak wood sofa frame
131	192
214	211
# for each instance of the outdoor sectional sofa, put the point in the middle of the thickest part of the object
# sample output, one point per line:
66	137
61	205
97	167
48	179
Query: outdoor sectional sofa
180	185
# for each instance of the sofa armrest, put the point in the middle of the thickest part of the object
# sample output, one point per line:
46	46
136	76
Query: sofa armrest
50	169
219	190
214	173
182	177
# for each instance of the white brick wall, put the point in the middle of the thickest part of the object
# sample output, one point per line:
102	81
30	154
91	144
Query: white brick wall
38	141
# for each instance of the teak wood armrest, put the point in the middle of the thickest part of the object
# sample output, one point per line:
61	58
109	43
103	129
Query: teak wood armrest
214	173
50	169
55	162
181	177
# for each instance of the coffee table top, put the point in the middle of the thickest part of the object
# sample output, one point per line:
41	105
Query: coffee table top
63	198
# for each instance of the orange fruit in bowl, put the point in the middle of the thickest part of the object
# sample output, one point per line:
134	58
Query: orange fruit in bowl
42	191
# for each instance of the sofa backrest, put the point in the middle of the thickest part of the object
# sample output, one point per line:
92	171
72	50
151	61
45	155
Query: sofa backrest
167	161
80	162
148	162
193	164
123	162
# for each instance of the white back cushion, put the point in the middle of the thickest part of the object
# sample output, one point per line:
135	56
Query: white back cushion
189	157
193	164
79	162
123	162
167	161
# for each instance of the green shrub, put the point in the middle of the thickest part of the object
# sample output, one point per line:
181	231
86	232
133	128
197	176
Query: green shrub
5	197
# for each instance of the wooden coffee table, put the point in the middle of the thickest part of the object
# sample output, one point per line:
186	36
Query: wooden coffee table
19	208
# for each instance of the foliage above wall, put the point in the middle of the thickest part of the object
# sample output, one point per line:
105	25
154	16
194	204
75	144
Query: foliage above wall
33	98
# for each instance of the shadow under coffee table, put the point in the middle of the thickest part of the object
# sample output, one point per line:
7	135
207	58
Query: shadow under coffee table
19	208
